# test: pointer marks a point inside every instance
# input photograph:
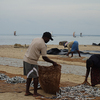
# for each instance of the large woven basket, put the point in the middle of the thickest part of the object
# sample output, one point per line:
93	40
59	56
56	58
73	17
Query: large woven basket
49	78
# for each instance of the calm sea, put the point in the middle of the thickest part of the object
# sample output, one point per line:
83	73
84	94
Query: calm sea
27	39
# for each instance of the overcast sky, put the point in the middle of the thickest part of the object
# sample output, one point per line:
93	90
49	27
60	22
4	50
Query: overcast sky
57	16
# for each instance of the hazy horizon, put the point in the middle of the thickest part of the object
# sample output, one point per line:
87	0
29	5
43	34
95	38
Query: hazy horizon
57	16
12	34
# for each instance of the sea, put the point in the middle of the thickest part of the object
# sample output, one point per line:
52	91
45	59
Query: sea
27	39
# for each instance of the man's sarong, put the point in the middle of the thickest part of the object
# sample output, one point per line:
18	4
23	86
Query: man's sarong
95	76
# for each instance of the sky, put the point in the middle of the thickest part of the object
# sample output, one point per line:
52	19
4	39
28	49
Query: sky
56	16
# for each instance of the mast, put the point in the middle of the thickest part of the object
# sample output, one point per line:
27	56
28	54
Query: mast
14	33
51	34
74	34
81	34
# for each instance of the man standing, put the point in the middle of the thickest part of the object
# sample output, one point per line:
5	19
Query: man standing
36	48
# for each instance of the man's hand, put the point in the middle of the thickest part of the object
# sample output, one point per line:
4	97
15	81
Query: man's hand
55	64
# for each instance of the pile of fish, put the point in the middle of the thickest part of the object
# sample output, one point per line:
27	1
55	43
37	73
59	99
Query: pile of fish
79	92
32	84
16	79
3	76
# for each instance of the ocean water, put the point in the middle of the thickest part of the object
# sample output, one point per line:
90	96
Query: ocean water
27	39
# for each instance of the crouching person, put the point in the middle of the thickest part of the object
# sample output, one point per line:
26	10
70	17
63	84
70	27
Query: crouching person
93	65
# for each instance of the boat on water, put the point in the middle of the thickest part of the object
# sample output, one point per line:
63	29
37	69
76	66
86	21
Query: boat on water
14	33
52	34
74	34
80	34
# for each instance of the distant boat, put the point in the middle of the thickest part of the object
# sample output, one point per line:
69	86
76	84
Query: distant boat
81	34
14	33
74	34
52	34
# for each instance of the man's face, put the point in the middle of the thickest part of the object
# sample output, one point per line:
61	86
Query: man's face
47	40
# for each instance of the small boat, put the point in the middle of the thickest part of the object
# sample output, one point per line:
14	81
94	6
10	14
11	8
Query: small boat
74	34
14	33
52	34
80	34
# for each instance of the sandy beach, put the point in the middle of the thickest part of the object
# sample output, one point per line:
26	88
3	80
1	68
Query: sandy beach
17	91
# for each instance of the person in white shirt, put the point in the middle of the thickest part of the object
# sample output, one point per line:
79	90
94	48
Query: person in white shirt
36	48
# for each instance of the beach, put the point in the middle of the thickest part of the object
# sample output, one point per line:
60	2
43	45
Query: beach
17	91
